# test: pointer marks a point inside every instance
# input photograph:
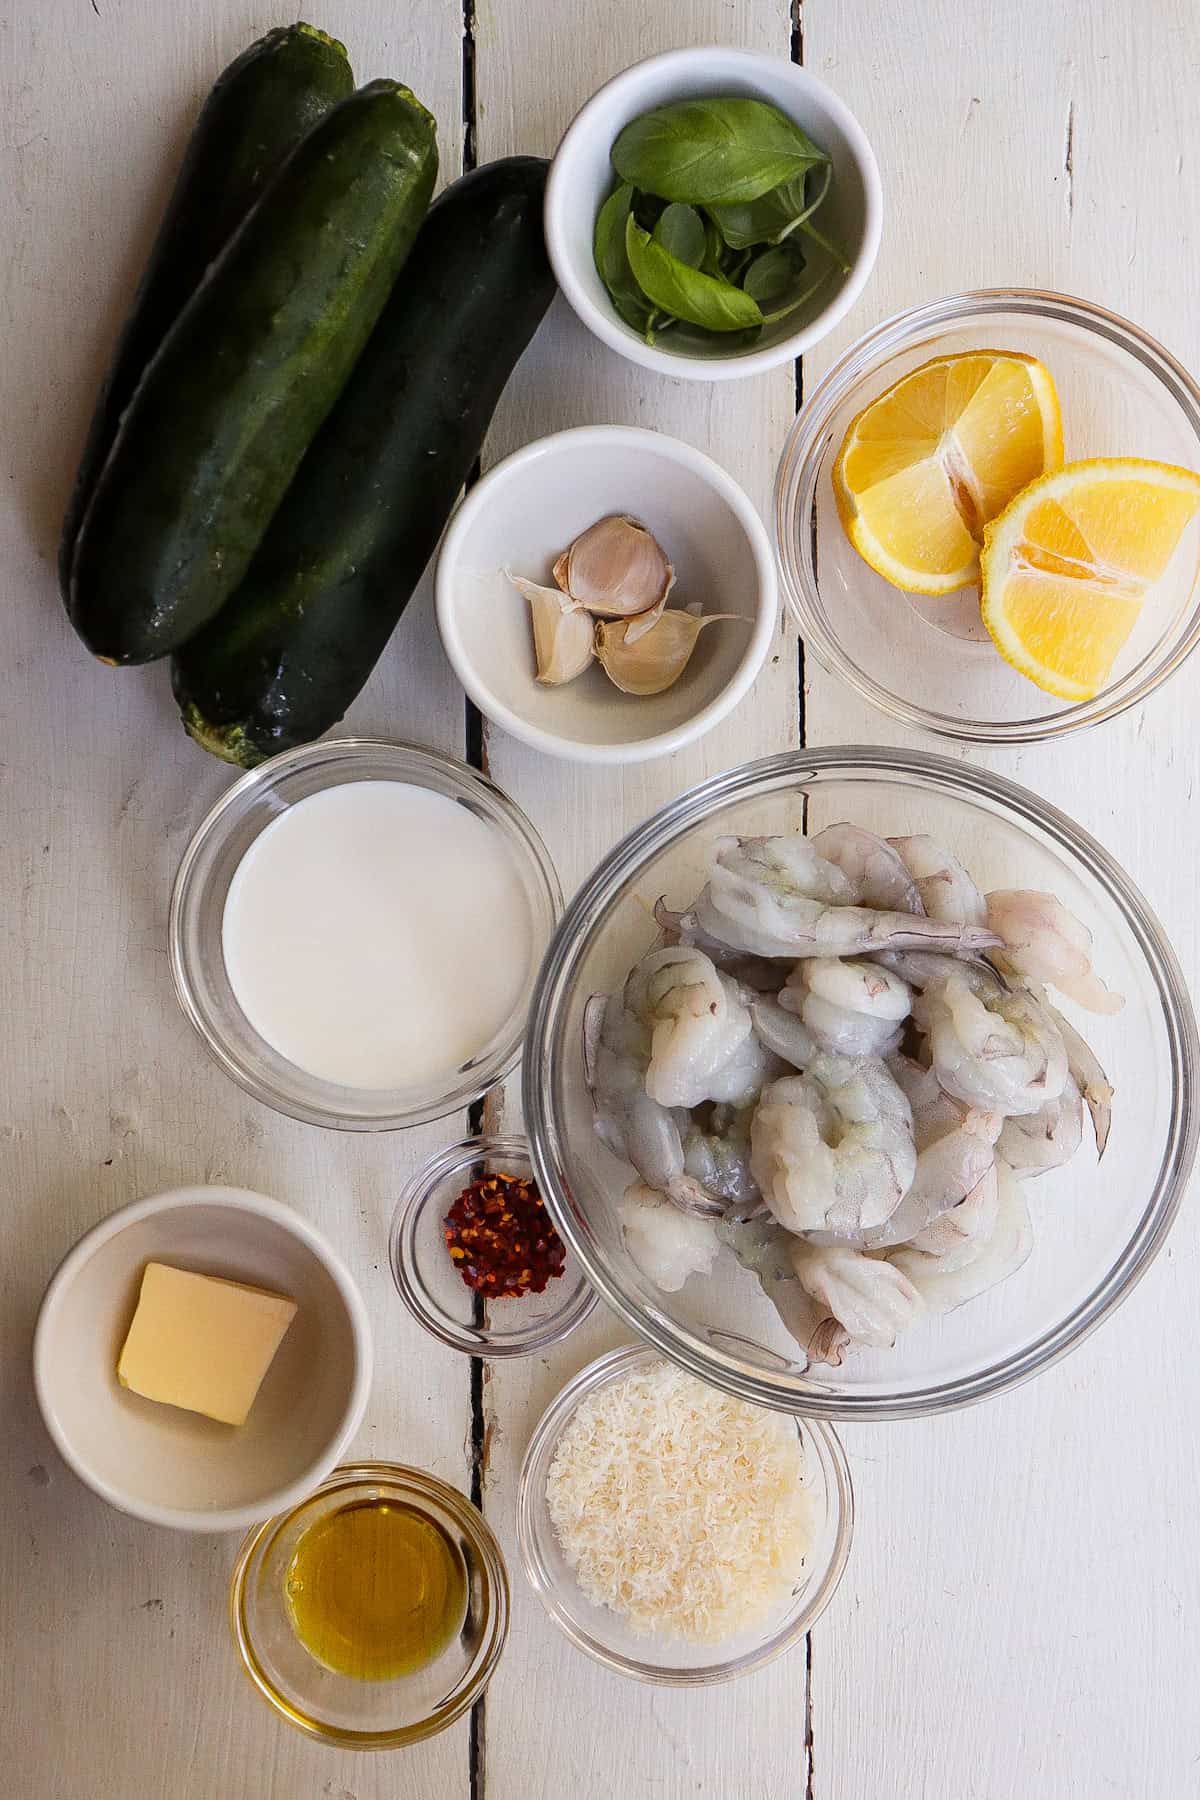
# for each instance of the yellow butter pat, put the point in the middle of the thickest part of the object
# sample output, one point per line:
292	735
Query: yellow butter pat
202	1343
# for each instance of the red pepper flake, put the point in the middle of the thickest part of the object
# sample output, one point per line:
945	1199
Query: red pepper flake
501	1239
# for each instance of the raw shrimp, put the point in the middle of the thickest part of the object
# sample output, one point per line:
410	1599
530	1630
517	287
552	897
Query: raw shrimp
1046	1139
749	1070
1000	1254
871	1297
947	891
823	1338
1086	1072
852	1008
832	1149
925	968
752	1065
718	1156
666	1245
934	1111
616	1049
775	896
757	972
783	1032
762	1247
1045	942
957	1237
947	1171
695	1019
1002	1053
875	869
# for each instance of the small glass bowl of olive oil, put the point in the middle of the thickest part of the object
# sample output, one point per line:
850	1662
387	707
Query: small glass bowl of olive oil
372	1614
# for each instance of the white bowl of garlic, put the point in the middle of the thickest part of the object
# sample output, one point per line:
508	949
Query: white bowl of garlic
606	594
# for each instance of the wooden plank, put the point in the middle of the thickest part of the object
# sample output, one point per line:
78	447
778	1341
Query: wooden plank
555	1723
119	1677
1023	1593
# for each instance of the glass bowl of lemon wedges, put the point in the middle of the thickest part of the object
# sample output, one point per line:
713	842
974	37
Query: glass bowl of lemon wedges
988	516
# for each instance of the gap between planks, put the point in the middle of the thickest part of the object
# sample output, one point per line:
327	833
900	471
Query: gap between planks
476	756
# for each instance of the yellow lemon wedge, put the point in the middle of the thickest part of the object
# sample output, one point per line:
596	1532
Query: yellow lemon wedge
924	468
1067	566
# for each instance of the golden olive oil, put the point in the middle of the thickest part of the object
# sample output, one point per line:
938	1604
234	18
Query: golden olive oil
376	1590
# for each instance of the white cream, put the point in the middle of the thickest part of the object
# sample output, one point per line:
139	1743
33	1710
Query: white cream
377	935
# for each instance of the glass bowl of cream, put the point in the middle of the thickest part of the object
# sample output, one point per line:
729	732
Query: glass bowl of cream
355	930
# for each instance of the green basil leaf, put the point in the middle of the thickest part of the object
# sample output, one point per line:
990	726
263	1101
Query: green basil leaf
648	209
635	313
827	244
714	250
685	292
757	221
773	216
680	230
735	265
657	323
771	277
612	260
713	152
780	282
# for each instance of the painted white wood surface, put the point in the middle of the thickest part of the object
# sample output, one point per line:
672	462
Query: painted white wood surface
1019	1617
1022	1606
118	1680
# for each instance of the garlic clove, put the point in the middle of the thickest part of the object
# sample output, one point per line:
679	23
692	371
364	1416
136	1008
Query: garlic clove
657	658
616	569
563	634
641	623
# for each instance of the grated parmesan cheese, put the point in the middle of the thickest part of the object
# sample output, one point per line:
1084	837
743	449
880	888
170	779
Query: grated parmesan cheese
678	1507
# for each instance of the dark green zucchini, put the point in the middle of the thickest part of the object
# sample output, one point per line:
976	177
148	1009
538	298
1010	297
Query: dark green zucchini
244	378
290	650
260	108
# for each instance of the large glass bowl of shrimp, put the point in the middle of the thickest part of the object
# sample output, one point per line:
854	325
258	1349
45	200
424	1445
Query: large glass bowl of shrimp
876	1061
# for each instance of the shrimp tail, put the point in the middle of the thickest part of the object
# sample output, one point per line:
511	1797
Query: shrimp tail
1092	1082
668	922
693	1198
828	1343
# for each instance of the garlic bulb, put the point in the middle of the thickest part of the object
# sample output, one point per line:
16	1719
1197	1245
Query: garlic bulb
656	659
563	634
616	569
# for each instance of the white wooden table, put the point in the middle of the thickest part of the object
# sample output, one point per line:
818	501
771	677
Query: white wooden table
1021	1617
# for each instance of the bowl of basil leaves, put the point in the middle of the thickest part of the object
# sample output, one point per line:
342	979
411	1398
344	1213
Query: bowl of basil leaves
713	212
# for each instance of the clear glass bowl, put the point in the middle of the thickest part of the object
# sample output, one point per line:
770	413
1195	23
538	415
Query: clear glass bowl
604	1634
198	905
337	1709
929	662
1096	1229
432	1288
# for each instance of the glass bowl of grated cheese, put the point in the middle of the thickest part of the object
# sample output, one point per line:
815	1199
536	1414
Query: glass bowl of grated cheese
675	1533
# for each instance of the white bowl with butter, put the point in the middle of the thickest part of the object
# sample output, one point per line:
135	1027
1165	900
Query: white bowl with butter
167	1463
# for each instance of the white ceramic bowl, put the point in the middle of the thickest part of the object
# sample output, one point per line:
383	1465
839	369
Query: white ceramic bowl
176	1468
531	506
582	177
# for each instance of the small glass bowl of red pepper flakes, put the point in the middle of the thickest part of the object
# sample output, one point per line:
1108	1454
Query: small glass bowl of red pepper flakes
516	1287
501	1239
